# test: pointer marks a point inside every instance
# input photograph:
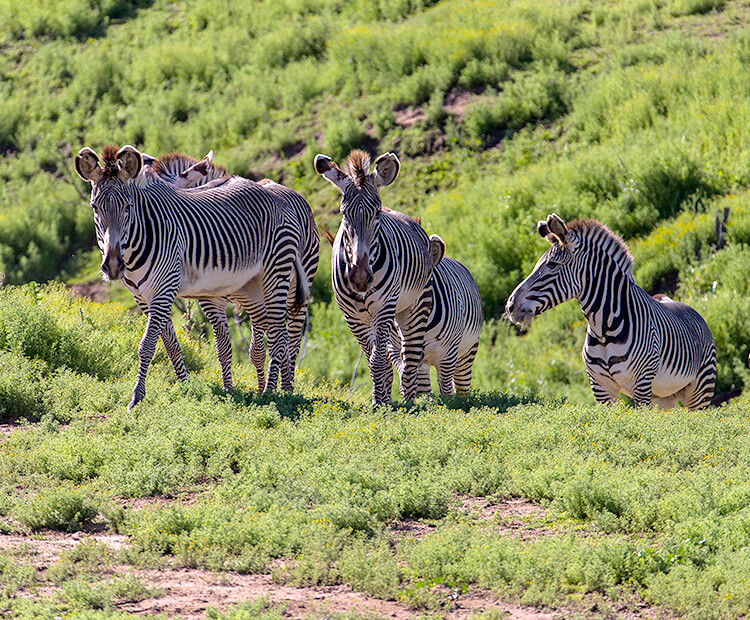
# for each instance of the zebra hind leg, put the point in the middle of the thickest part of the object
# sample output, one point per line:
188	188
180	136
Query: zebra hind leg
446	371
216	313
258	354
462	375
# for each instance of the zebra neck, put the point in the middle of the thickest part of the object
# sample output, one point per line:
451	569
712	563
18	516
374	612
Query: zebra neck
606	303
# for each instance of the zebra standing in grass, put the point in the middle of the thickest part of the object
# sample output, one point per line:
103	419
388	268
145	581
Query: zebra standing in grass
231	238
381	270
653	349
185	172
452	334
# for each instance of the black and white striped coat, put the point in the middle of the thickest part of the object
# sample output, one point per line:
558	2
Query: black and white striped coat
651	348
233	238
185	172
453	328
381	270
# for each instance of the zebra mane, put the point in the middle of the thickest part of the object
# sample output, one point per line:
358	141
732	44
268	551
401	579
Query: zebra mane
599	232
171	164
358	167
109	160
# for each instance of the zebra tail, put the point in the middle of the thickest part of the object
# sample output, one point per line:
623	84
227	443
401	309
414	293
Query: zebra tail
302	290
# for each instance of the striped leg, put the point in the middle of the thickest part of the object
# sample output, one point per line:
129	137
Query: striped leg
216	313
446	370
296	326
171	344
158	316
462	376
412	324
424	386
381	370
258	354
275	289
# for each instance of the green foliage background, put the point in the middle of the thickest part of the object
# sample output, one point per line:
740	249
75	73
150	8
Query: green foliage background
635	113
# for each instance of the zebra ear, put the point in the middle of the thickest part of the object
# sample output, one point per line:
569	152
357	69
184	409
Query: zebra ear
130	162
87	165
193	175
541	228
327	233
387	167
328	169
437	249
557	227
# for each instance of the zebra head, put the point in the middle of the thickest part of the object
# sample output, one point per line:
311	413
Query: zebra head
360	209
553	280
111	199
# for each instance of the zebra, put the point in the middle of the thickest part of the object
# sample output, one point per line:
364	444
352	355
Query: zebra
229	238
452	334
186	172
650	348
380	270
453	328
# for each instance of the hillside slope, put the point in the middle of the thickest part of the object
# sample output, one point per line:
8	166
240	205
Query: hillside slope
501	112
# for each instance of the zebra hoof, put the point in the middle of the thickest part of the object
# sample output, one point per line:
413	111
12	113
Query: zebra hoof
133	403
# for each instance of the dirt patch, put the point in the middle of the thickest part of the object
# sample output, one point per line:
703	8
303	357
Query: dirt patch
518	517
188	593
96	290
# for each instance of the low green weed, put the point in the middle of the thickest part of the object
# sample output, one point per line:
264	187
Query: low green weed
64	510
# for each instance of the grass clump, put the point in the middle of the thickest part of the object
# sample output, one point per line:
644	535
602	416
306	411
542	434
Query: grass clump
69	511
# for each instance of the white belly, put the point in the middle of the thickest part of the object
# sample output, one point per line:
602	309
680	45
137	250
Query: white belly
215	282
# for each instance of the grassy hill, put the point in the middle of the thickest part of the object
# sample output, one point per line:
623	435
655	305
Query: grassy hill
634	113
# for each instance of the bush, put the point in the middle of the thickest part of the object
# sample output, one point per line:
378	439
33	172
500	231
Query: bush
64	510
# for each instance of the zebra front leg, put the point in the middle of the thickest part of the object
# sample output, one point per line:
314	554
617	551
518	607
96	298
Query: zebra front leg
380	367
171	344
216	313
158	316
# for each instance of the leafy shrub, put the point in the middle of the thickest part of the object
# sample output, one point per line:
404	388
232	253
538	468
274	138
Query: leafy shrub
64	510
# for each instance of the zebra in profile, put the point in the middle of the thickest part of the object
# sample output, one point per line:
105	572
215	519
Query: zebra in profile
186	172
452	334
381	269
651	348
231	238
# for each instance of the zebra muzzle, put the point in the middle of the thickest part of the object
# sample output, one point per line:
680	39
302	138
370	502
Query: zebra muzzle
113	265
361	277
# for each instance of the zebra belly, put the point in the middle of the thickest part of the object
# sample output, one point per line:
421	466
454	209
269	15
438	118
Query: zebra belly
667	384
215	282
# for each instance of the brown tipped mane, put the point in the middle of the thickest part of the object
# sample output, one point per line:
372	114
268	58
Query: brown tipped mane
165	162
109	160
358	166
588	227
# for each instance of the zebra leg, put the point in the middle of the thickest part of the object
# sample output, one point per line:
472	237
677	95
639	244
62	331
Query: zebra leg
381	370
666	402
275	291
446	371
171	344
701	391
158	317
296	326
251	301
258	354
413	324
216	313
643	390
462	376
424	386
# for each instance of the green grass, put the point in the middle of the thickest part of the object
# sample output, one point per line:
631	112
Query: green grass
636	504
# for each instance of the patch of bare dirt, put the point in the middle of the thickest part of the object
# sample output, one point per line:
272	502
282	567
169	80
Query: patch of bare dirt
188	593
519	516
409	116
96	290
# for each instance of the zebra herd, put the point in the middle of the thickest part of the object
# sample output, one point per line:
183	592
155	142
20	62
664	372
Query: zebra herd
176	226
